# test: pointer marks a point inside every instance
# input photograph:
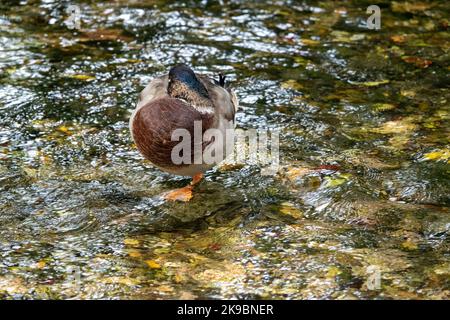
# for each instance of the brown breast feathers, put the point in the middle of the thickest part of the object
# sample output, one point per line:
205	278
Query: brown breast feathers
154	123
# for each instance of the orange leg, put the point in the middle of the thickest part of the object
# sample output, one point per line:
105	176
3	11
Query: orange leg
196	179
184	194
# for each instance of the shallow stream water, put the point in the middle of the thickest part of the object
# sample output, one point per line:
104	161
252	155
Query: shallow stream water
359	208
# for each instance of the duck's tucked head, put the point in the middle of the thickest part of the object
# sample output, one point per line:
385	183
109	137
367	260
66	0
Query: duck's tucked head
184	84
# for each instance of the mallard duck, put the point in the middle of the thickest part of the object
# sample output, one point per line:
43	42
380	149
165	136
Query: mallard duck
184	100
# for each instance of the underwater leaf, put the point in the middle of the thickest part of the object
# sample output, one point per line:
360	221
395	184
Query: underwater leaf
409	6
161	250
340	36
383	106
443	269
179	277
11	70
337	181
429	124
83	77
399	141
398	38
443	154
131	242
429	25
408	93
185	295
153	264
121	280
334	182
418	62
104	35
226	272
134	254
409	245
294	173
64	130
309	42
397	51
328	167
357	37
12	285
40	264
341	10
396	126
289	209
291	84
31	172
372	83
164	288
333	272
229	166
344	36
215	246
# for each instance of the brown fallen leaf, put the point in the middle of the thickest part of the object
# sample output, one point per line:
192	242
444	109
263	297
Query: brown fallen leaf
215	246
398	38
418	62
294	173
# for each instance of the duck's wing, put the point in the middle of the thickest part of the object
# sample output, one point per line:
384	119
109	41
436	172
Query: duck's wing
156	122
157	88
224	99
